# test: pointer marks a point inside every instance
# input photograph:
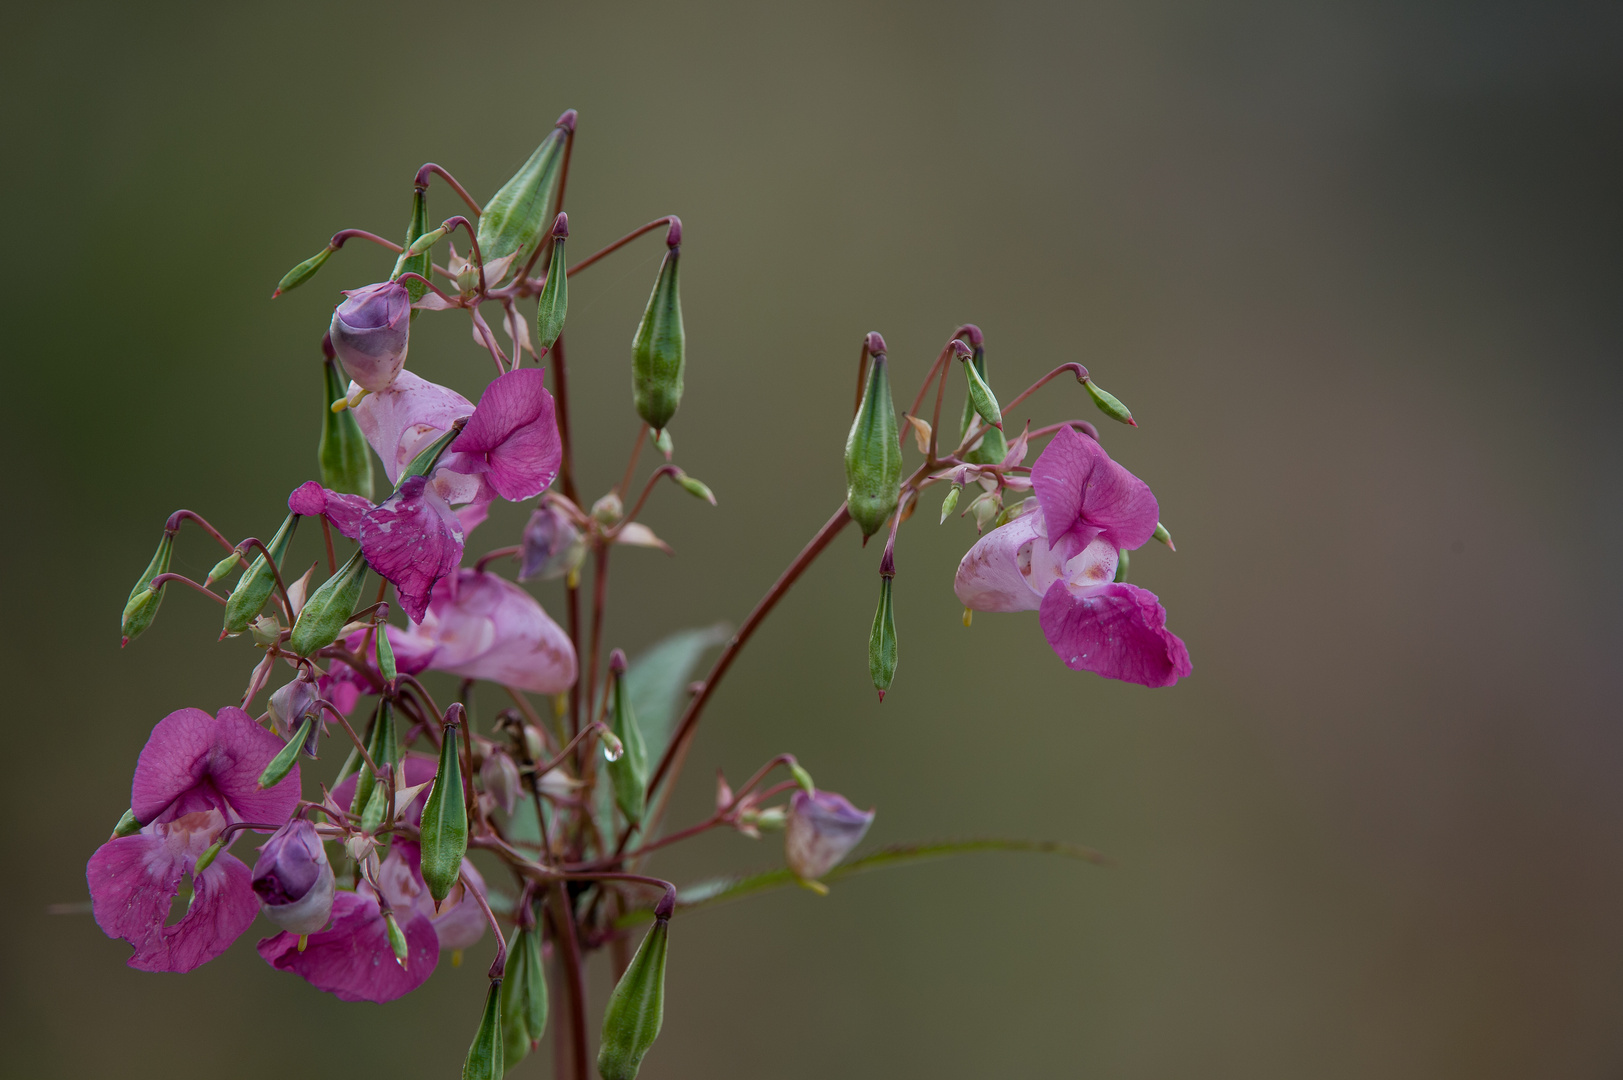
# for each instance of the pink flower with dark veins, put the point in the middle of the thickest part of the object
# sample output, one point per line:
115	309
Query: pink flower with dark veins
486	627
414	539
196	775
1060	561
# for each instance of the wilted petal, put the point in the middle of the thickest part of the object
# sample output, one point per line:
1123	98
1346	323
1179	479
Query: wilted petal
352	959
512	438
1115	630
413	539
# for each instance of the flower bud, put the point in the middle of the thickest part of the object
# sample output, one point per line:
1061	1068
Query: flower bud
397	939
1162	535
990	448
630	770
950	503
420	263
985	509
697	488
636	1008
500	776
822	830
445	820
873	456
1108	404
467	279
291	704
613	748
771	819
257	582
294	880
222	568
304	271
608	510
142	606
324	615
882	641
128	825
554	302
524	995
657	349
553	546
370	332
485	1060
345	459
288	756
513	221
383	744
980	394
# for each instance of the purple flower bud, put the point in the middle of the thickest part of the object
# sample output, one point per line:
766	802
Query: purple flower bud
822	830
370	332
294	880
552	545
501	779
290	705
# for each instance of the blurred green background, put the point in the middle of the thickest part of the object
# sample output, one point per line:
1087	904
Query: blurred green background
1354	267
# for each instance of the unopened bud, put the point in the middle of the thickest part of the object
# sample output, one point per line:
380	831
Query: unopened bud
142	606
553	546
421	245
950	503
770	819
657	350
802	777
222	568
697	488
524	995
467	278
291	704
613	748
636	1008
882	641
370	331
370	802
990	448
553	305
822	830
980	394
1162	535
485	1060
444	830
421	263
397	939
873	456
288	756
985	509
127	825
294	880
608	510
304	271
323	616
500	776
1109	404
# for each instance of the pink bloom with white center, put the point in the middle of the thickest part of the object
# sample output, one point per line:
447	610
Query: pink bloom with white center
1060	561
486	627
196	775
370	332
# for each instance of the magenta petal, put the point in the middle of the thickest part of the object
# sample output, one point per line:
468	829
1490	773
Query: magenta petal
513	435
132	881
413	539
351	959
1077	483
308	499
1117	630
490	628
193	761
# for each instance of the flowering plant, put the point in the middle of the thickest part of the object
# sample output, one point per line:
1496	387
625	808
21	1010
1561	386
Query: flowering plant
368	876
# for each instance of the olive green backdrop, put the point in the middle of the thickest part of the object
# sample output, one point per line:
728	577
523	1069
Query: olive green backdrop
1354	267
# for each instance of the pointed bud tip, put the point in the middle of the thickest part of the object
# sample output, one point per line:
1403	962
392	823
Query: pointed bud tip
276	293
617	661
876	343
567	120
666	905
881	697
123	642
673	233
560	227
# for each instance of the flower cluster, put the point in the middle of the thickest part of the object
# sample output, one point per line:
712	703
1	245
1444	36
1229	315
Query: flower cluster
369	876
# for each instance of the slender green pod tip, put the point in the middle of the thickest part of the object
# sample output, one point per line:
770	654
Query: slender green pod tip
142	606
553	305
658	350
485	1060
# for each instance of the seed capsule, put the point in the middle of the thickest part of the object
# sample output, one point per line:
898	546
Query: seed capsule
636	1008
485	1060
882	641
345	459
873	458
142	606
324	615
515	219
554	302
258	581
658	347
445	820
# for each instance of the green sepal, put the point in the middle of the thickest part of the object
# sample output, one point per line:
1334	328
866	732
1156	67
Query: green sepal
1109	404
514	221
524	995
658	347
344	457
630	770
981	396
695	487
288	756
882	641
304	271
142	606
258	581
1162	535
636	1008
383	743
873	455
445	822
485	1061
554	303
325	614
421	263
1121	565
429	456
127	825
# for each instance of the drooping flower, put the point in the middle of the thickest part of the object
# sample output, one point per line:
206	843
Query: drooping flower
370	332
822	830
486	627
414	539
196	775
1060	560
512	439
294	880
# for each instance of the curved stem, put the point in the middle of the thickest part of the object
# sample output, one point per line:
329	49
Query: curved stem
1080	372
172	526
354	738
499	553
431	169
622	242
342	235
276	571
663	470
437	291
636	451
164	579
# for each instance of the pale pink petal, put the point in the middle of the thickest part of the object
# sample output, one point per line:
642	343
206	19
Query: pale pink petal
1116	630
995	574
512	437
413	539
403	420
493	629
351	959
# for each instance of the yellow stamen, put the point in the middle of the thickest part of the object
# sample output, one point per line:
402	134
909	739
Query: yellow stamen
456	957
968	615
304	939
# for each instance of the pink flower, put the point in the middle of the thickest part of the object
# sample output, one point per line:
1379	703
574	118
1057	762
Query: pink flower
489	628
402	421
351	959
414	539
822	830
1060	560
343	511
512	439
196	775
370	331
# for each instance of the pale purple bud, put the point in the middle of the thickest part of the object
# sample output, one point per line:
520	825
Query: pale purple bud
294	880
552	545
370	332
822	830
500	776
289	706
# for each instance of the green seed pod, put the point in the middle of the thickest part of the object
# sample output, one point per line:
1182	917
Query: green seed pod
283	762
222	568
882	641
445	820
397	939
657	350
345	459
662	442
383	743
1121	565
323	616
554	303
421	263
423	243
980	394
697	488
304	271
1162	535
636	1008
515	219
991	447
142	606
1109	404
257	582
873	455
629	770
485	1059
524	995
386	665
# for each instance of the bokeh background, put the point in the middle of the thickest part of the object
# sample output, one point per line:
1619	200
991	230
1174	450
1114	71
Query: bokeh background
1353	265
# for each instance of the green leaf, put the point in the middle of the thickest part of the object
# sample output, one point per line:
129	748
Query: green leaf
657	681
722	889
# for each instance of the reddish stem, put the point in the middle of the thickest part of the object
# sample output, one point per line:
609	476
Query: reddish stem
1080	372
671	219
426	171
163	579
